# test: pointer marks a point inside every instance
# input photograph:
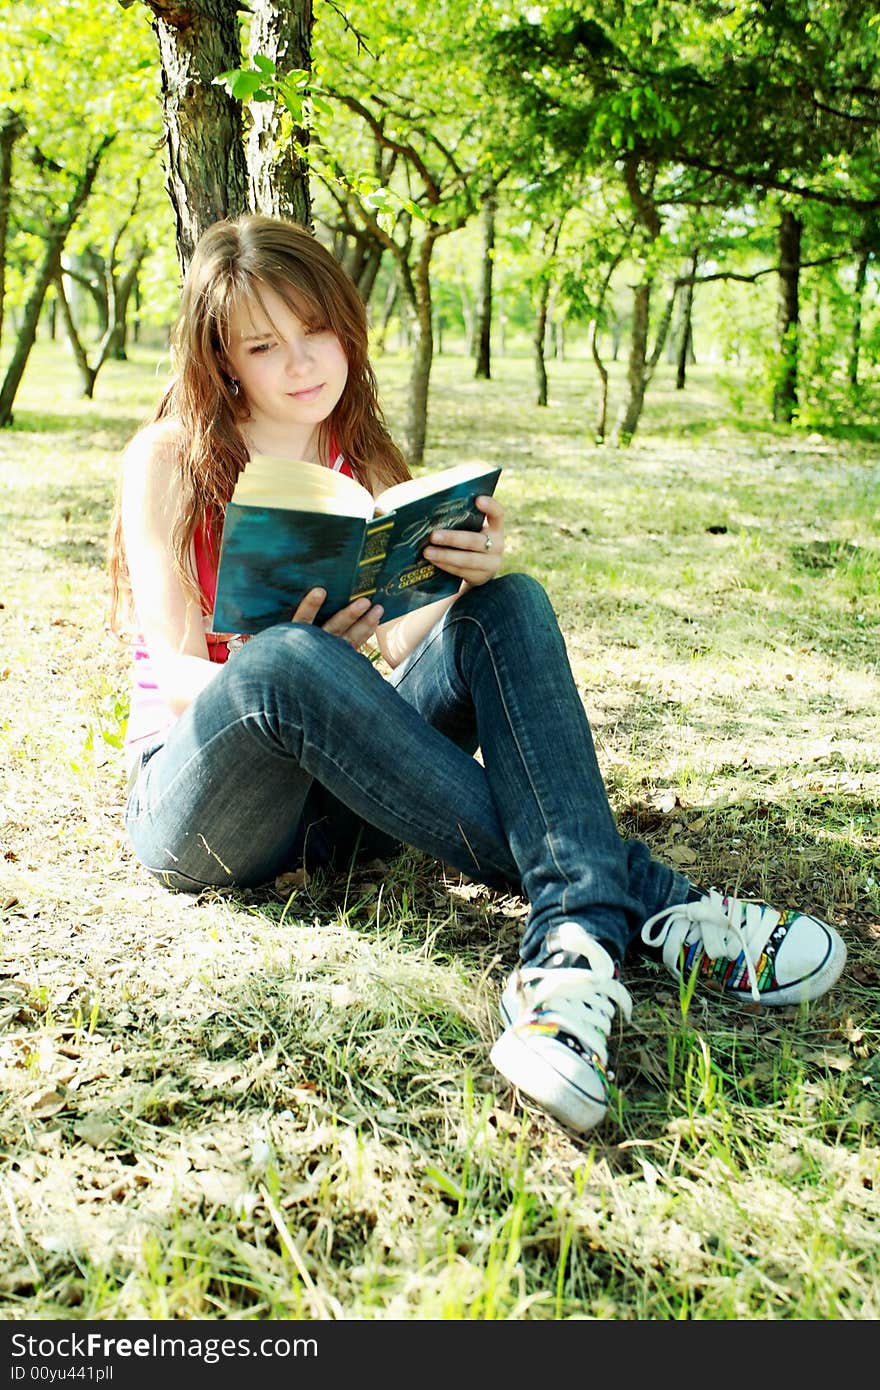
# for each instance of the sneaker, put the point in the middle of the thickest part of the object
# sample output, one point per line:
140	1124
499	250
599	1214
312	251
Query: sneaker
557	1016
748	950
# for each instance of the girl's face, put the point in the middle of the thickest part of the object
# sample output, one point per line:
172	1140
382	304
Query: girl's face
293	374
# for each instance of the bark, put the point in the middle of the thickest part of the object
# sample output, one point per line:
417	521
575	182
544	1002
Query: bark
856	332
369	269
549	246
685	337
468	318
391	296
662	334
12	127
640	369
110	291
87	372
124	287
785	392
602	412
278	180
47	271
112	342
483	366
539	338
636	371
88	271
205	160
416	430
361	256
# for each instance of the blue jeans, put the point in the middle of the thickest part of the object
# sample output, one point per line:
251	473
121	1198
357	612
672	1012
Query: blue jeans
301	751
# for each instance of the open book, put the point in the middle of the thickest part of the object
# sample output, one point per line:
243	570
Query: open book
293	526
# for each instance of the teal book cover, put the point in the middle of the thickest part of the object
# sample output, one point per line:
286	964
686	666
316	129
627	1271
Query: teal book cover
272	555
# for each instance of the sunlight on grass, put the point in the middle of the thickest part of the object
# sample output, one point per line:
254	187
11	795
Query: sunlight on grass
279	1105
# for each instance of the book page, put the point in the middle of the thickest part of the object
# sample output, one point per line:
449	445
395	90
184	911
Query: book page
425	485
294	485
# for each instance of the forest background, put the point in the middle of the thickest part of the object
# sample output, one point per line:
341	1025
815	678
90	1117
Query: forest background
627	246
585	173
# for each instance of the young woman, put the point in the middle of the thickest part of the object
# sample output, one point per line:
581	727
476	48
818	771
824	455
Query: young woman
249	757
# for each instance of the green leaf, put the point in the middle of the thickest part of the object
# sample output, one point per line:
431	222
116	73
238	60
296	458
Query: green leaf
242	83
444	1182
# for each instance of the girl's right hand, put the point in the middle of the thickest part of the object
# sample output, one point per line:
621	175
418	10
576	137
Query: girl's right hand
355	624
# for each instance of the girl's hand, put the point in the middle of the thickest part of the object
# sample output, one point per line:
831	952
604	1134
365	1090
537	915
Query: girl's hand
473	555
355	624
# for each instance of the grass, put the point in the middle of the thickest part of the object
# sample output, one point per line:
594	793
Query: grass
279	1105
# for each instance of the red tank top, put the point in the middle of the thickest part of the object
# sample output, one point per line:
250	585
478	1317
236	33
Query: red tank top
149	716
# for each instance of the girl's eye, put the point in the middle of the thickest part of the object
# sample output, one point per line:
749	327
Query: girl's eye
259	348
312	329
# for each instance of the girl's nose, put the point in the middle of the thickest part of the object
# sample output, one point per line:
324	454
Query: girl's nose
297	353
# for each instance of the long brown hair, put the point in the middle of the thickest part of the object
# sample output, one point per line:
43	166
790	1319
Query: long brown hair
231	263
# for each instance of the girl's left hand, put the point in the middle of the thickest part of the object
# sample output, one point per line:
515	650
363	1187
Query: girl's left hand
473	555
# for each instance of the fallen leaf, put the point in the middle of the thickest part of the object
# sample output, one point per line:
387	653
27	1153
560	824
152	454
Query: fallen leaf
682	854
96	1129
42	1104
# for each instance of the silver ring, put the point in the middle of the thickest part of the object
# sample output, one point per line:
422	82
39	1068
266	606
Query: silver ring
487	542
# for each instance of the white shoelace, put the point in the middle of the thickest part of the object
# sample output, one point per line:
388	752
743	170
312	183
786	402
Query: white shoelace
739	928
595	989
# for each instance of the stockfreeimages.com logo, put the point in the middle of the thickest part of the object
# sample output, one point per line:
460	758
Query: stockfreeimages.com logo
96	1346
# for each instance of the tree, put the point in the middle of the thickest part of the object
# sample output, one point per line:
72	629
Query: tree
689	106
79	110
206	175
12	128
787	317
46	272
277	145
483	366
111	290
217	164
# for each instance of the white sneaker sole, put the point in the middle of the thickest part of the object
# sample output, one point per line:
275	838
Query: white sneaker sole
532	1072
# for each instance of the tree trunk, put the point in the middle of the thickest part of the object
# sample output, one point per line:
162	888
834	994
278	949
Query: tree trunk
46	272
206	172
278	180
539	339
483	368
785	393
602	413
856	333
636	373
468	318
662	334
94	278
646	213
118	331
87	373
423	355
366	280
12	127
685	335
549	247
391	297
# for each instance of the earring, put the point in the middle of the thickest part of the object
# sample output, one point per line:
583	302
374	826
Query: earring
234	386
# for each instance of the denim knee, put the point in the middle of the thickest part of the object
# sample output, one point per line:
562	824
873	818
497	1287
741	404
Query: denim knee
290	653
519	598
